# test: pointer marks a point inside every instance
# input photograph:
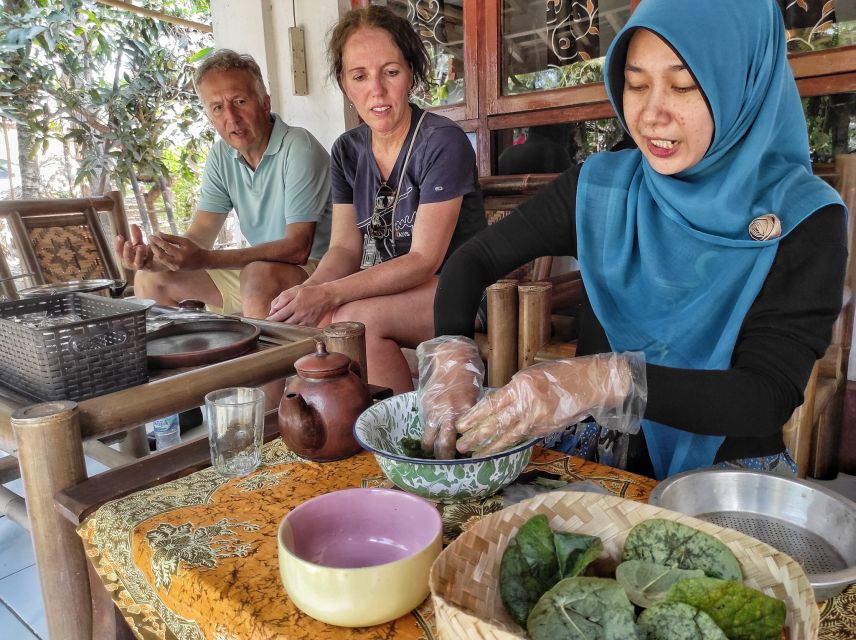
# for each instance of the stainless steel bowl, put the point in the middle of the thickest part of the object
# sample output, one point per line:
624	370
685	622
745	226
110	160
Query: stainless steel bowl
813	525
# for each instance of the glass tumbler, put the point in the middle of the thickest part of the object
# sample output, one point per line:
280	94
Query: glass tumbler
235	429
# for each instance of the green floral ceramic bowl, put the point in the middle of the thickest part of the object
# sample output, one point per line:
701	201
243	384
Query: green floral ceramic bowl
380	430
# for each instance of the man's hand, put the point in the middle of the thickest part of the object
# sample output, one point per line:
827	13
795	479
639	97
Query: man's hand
450	382
302	304
178	253
134	253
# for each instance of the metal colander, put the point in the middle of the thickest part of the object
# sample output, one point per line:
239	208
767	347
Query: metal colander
813	525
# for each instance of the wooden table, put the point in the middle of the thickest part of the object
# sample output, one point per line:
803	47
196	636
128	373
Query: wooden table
47	440
164	589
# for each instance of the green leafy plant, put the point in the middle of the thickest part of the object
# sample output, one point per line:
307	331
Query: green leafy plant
741	612
536	559
115	85
583	609
672	544
678	621
646	583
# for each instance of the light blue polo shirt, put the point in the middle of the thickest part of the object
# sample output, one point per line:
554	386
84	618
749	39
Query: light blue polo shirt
291	184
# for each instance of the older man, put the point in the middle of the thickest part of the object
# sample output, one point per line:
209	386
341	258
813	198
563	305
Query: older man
276	177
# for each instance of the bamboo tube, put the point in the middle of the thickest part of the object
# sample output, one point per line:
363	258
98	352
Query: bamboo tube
13	506
501	332
56	205
107	456
348	338
9	469
51	458
556	351
797	431
534	323
135	444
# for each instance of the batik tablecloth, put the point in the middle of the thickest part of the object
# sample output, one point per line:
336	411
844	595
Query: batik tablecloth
196	558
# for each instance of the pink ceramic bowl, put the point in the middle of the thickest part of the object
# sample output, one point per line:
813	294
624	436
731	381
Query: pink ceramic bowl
359	557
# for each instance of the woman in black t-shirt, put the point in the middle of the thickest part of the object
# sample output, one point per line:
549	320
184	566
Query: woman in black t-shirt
405	194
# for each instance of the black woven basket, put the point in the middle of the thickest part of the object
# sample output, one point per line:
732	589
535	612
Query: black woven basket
71	346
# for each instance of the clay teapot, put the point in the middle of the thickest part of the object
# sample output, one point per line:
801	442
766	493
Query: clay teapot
320	405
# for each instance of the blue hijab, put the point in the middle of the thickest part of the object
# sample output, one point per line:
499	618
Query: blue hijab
669	264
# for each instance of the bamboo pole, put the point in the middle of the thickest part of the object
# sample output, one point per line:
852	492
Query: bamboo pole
157	15
501	332
108	456
798	430
534	322
135	444
348	338
56	205
9	469
13	507
51	458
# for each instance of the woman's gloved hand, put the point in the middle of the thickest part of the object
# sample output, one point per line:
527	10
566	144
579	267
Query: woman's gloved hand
451	372
610	387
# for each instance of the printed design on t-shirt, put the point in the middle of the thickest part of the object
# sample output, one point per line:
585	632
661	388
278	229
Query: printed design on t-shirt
383	226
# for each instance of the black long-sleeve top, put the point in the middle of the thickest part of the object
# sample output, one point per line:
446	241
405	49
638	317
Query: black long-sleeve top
787	328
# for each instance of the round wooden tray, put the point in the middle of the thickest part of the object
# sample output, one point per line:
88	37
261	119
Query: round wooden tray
198	342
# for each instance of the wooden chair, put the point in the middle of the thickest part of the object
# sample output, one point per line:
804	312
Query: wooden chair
63	239
814	430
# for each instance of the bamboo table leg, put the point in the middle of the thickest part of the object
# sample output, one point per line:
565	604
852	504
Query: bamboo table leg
51	459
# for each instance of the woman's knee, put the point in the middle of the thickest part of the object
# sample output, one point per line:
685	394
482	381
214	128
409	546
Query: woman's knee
368	311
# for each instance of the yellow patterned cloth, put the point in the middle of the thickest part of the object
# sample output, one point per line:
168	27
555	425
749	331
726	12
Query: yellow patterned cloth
196	558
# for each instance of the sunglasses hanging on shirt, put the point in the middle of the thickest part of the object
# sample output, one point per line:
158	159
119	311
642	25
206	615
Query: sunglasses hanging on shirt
379	239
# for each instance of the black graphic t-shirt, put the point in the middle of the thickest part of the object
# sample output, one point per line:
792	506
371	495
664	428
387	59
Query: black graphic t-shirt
441	167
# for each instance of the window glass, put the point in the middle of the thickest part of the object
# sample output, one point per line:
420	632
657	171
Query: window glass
831	125
440	24
550	44
813	25
553	148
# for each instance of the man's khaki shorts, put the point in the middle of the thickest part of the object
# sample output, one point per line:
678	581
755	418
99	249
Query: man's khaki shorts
228	283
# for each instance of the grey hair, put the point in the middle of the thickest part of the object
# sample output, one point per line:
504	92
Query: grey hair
228	60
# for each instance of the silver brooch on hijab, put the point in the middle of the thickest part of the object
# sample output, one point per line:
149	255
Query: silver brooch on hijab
765	227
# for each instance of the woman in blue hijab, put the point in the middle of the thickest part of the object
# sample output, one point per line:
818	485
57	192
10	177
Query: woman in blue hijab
713	260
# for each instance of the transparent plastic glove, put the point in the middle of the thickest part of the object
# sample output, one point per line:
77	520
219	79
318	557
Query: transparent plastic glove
610	387
451	372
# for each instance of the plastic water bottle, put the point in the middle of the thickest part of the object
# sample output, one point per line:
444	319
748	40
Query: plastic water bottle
166	432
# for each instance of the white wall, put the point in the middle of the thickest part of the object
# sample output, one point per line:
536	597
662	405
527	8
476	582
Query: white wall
260	28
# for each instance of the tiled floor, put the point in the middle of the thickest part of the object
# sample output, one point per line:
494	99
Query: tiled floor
22	614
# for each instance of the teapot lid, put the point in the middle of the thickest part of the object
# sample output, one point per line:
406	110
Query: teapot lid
321	362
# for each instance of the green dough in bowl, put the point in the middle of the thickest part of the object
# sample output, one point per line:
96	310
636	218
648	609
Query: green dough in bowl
380	430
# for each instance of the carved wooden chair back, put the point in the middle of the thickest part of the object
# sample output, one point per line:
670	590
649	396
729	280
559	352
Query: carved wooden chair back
58	239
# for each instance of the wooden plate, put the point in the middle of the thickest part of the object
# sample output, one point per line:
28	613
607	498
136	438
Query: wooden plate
189	344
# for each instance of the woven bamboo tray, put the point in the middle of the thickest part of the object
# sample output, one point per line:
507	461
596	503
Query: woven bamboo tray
465	577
